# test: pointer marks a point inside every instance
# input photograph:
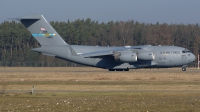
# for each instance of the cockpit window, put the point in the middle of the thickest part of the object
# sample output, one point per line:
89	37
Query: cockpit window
185	51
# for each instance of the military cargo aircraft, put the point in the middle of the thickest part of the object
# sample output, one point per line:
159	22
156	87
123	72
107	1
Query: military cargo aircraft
112	58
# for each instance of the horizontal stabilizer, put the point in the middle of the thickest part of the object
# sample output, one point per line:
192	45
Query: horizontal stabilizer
33	17
42	50
49	54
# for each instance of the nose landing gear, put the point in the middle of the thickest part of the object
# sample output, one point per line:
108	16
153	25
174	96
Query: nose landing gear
183	68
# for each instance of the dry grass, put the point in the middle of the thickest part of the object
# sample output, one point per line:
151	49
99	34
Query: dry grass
69	78
101	102
95	74
93	89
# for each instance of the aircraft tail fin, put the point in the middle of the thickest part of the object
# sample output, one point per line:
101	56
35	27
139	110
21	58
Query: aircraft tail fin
41	30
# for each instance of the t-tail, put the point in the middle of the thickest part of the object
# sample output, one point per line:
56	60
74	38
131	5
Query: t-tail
41	30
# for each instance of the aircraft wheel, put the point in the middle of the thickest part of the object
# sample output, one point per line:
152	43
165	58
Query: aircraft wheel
111	69
119	69
183	68
126	69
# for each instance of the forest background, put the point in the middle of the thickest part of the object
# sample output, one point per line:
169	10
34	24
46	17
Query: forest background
16	42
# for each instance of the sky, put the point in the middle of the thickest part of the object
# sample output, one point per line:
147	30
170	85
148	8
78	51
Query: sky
144	11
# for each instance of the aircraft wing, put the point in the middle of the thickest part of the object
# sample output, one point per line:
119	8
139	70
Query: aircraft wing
104	53
97	54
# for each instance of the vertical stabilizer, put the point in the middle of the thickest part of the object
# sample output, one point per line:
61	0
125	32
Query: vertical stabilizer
41	30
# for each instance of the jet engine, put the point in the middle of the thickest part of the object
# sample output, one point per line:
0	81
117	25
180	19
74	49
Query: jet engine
125	56
146	55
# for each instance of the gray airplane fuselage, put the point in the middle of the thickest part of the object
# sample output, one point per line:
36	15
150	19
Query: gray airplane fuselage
165	56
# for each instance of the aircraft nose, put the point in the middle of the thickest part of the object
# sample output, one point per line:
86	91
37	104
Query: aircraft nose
193	57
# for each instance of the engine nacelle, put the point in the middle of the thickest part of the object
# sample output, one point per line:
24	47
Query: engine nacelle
146	55
126	57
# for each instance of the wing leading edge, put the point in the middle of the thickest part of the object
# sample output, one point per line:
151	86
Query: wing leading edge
97	54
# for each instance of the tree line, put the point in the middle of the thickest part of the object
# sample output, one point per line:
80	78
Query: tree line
16	41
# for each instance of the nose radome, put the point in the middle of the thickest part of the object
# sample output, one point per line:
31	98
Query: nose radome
193	57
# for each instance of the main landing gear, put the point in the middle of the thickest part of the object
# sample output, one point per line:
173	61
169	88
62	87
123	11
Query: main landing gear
118	69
